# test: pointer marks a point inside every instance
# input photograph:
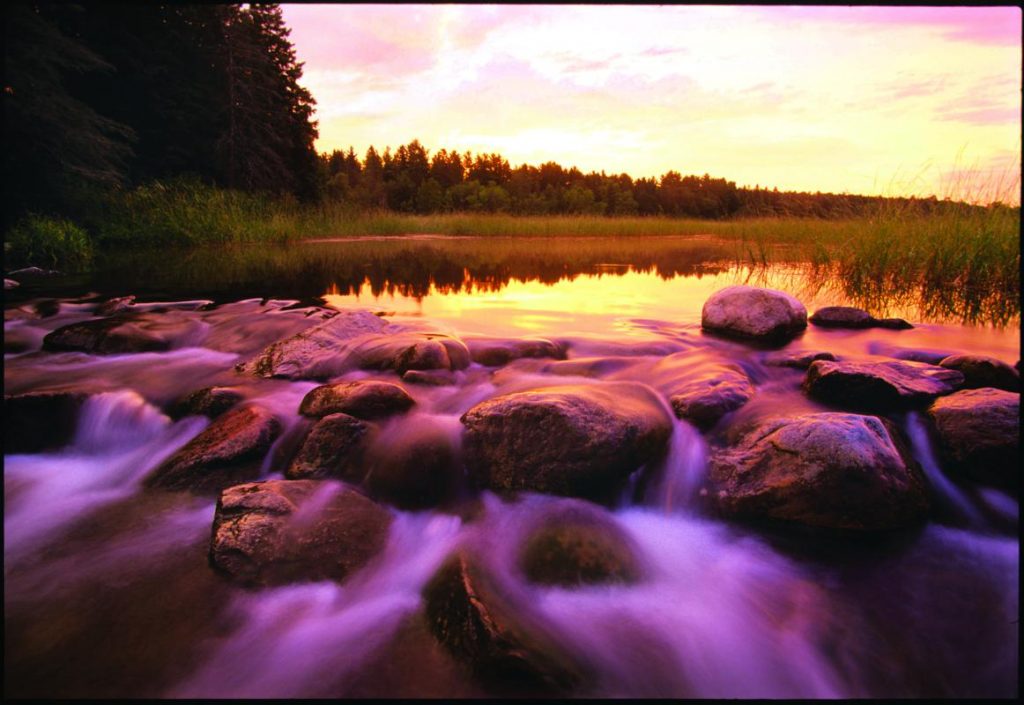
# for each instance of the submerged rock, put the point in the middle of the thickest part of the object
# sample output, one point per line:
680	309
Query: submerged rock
209	401
494	352
705	400
410	351
417	468
981	371
332	448
115	305
128	333
829	470
567	440
879	386
979	434
40	421
589	366
753	312
799	360
930	357
576	543
228	451
893	323
433	378
364	399
283	531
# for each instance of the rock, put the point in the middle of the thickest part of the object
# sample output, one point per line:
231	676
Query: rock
567	440
332	448
228	451
433	378
318	352
410	351
494	352
799	360
128	333
209	401
842	317
981	371
116	305
40	421
577	543
931	357
283	531
589	366
829	470
893	324
470	615
418	467
705	400
10	284
364	399
34	272
879	386
979	434
752	312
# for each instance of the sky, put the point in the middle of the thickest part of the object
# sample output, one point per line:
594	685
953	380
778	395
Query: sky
871	100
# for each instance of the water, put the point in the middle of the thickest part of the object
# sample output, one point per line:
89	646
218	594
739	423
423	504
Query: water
108	590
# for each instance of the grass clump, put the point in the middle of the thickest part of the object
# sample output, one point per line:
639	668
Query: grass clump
48	242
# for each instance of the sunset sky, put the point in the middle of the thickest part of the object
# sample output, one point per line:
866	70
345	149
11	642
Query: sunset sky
883	100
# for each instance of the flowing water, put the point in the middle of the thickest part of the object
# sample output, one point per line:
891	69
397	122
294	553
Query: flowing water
108	591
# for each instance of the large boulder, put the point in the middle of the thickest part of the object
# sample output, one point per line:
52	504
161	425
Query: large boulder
879	386
364	399
494	352
576	543
979	434
129	333
409	351
752	312
318	352
827	470
40	421
982	371
704	400
209	401
230	450
283	531
567	440
333	448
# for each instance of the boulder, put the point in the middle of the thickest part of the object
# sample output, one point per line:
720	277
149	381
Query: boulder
40	421
978	434
468	612
893	324
283	531
432	378
418	467
576	543
228	451
799	360
842	317
981	371
879	386
494	352
752	312
410	351
364	399
706	399
567	440
826	470
115	305
332	448
128	333
209	401
318	352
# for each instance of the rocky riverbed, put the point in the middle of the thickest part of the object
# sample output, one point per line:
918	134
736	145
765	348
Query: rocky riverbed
269	498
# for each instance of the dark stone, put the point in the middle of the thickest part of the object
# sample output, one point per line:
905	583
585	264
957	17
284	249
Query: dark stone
705	400
753	313
40	421
879	386
417	468
365	399
333	448
494	352
893	324
800	360
433	378
842	317
981	371
116	305
410	351
127	333
209	401
979	434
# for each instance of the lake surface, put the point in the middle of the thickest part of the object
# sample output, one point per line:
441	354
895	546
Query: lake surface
108	588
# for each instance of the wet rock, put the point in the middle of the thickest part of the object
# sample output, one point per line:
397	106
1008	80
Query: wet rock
879	386
705	400
931	357
981	371
364	399
432	378
417	468
893	324
494	352
332	448
577	543
568	440
589	366
410	351
283	531
40	420
842	317
753	312
228	451
318	352
979	434
34	272
468	612
10	284
128	333
209	401
829	470
116	305
799	360
21	339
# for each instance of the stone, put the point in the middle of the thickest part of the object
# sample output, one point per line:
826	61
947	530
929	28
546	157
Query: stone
982	371
209	401
128	333
40	421
333	448
115	305
318	352
879	386
364	399
824	470
410	351
703	401
494	352
228	451
283	531
417	468
577	440
931	357
753	313
589	366
842	317
893	324
432	378
978	433
799	360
